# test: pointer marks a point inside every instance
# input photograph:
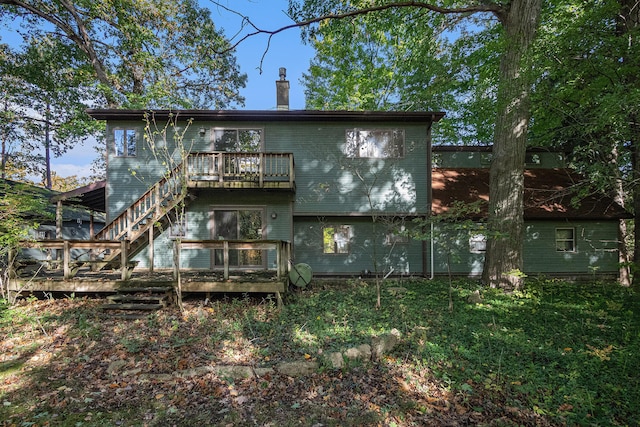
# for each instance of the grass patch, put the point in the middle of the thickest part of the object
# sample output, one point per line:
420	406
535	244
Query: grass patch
555	354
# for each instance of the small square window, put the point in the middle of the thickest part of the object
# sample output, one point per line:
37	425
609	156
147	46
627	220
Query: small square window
485	159
478	244
565	239
43	234
336	239
532	159
395	236
125	142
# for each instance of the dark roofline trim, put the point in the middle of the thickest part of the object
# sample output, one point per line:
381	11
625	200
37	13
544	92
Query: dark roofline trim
273	116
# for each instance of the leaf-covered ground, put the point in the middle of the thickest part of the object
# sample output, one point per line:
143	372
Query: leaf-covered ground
556	354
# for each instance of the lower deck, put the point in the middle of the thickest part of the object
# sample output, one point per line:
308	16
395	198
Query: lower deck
87	281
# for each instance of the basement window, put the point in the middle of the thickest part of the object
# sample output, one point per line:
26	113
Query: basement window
374	143
336	239
478	244
124	141
565	239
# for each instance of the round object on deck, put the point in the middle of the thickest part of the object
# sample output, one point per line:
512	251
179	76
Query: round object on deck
300	275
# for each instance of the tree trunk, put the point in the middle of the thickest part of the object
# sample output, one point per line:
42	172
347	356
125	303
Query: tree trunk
628	23
503	262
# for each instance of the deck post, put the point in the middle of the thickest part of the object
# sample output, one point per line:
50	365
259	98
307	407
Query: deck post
225	255
124	258
66	257
151	253
261	169
291	172
279	259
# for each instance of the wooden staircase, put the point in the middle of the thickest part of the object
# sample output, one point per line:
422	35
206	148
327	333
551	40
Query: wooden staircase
137	302
150	212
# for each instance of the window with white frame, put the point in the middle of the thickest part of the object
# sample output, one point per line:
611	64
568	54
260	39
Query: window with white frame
374	143
237	140
125	142
566	239
478	244
336	239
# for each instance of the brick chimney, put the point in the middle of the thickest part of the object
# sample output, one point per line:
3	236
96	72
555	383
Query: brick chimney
282	90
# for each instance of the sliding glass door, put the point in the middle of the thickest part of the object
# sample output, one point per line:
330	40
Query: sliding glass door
238	224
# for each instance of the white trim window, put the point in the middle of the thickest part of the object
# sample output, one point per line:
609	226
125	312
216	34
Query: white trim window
374	143
247	140
566	239
336	239
125	142
478	244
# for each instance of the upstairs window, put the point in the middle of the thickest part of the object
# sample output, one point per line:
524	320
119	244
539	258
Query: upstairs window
374	143
336	239
565	240
125	142
532	159
237	140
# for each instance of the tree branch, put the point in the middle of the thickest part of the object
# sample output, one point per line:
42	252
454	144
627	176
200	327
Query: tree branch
488	7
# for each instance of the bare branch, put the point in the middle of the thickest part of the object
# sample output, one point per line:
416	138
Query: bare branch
488	7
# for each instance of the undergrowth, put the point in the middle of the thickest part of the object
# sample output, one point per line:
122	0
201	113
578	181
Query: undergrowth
559	352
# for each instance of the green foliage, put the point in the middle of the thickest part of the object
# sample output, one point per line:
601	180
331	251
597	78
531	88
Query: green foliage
555	352
22	208
587	96
405	59
139	54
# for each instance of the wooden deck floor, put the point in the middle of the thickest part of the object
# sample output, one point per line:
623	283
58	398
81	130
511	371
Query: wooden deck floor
111	281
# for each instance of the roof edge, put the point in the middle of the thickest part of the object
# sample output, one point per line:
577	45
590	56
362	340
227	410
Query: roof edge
269	115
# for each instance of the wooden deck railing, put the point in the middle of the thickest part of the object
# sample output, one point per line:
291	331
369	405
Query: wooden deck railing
145	211
259	169
69	265
282	248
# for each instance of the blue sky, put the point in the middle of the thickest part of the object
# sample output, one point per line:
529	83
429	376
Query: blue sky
284	50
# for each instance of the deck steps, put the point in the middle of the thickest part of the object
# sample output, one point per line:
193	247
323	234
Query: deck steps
134	301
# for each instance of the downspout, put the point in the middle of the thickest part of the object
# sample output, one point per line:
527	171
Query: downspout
431	254
430	196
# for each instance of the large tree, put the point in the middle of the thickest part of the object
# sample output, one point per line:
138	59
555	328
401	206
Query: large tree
142	54
45	98
587	99
517	21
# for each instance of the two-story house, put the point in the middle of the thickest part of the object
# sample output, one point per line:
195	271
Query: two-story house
339	185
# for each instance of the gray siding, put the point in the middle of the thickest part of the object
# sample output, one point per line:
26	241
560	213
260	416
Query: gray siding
405	258
328	183
595	252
